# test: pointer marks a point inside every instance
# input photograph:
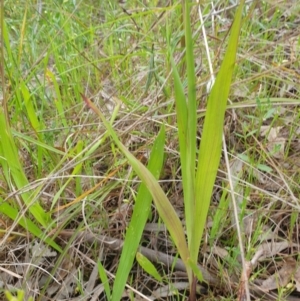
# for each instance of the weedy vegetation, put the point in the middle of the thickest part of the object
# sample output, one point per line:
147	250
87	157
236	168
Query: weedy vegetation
149	150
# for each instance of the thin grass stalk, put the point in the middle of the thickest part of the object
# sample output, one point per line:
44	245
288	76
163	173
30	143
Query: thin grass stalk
191	127
186	123
10	160
182	117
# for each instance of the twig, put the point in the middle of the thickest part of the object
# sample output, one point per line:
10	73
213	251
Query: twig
154	256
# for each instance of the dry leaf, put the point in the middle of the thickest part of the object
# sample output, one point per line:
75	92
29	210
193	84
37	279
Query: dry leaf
276	143
269	249
297	279
221	252
281	278
169	290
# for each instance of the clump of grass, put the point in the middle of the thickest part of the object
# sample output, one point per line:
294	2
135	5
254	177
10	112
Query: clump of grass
64	178
197	184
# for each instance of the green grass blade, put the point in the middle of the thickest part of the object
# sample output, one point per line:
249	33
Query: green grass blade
187	125
148	266
191	101
138	220
211	142
186	163
191	127
36	125
196	270
58	102
163	206
13	171
104	280
37	142
26	223
219	216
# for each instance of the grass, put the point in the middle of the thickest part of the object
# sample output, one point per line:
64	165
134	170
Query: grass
70	181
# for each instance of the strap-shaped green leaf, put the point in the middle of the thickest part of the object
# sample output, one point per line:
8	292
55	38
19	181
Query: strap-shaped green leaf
211	140
163	206
139	217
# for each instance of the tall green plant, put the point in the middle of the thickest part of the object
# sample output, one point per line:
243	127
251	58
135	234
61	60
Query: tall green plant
198	178
198	189
10	161
139	217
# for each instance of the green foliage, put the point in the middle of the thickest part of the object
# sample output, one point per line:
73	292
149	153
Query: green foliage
19	297
139	217
197	189
104	280
212	134
148	266
14	174
53	152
